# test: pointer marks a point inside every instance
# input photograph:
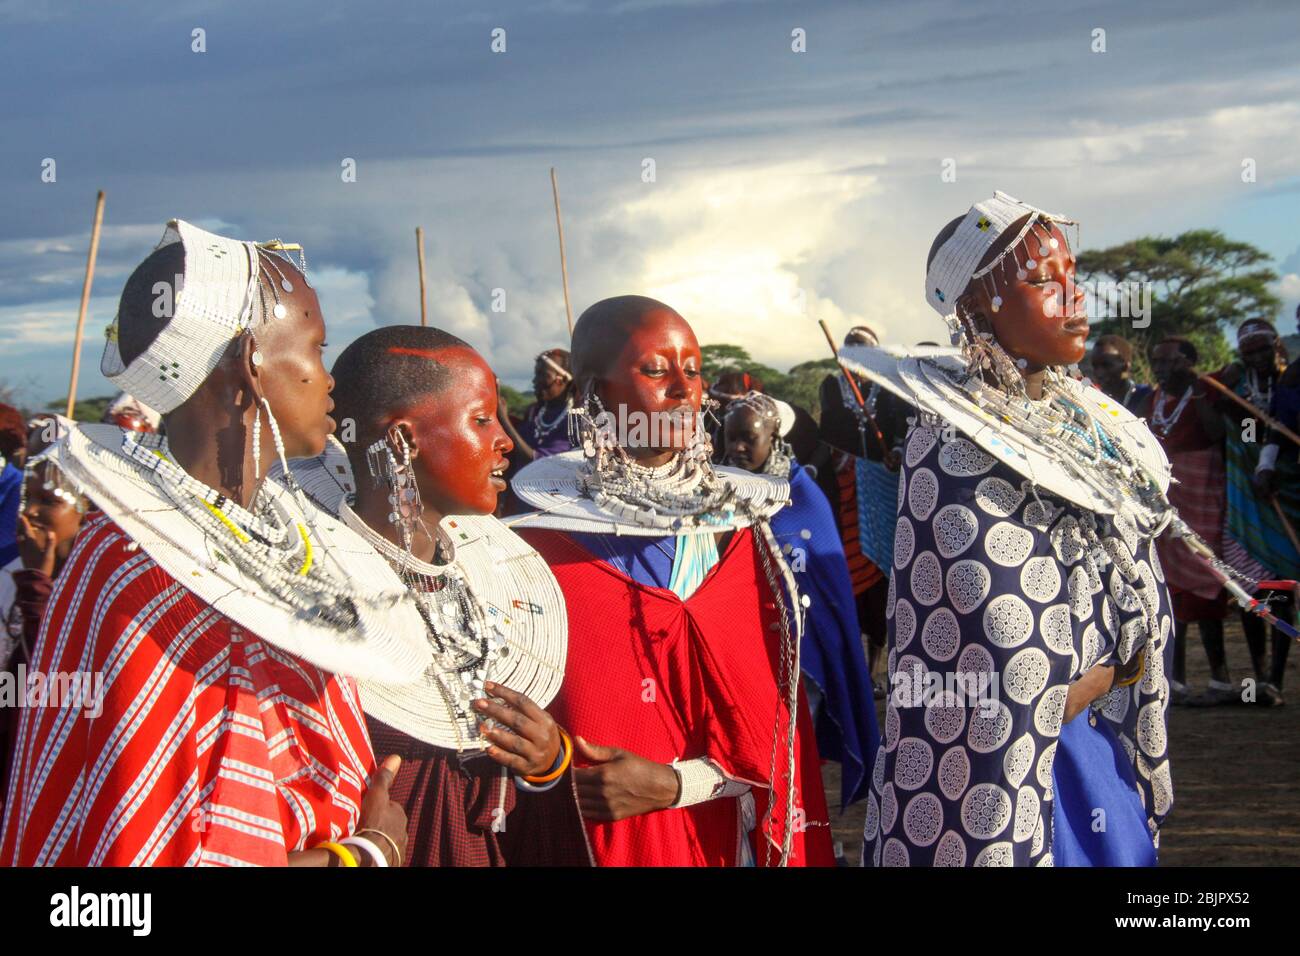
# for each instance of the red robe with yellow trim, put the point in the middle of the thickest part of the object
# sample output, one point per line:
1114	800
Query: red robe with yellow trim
666	678
208	747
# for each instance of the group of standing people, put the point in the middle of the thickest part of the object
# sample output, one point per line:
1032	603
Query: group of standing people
362	617
1237	485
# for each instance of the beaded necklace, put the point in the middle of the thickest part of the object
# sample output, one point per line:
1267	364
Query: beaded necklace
464	645
269	547
1261	398
541	427
683	493
1164	423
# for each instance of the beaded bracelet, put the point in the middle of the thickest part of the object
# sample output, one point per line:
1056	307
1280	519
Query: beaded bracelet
343	853
565	758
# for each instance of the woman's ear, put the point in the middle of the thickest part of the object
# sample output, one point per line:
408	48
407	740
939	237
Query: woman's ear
400	430
249	363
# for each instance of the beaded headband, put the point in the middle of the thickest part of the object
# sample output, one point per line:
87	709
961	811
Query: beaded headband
1255	329
955	262
213	304
555	367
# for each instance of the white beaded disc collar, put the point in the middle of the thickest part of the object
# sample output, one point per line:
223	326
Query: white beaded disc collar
387	638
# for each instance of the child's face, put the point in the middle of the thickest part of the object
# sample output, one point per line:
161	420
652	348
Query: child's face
49	514
749	439
1042	317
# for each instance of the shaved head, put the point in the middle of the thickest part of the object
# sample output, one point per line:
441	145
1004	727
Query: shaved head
603	329
386	371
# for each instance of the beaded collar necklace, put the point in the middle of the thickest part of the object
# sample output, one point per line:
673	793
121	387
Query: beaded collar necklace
683	493
266	544
464	646
1078	440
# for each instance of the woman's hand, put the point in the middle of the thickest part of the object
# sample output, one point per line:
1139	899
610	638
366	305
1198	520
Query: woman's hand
37	547
1096	683
377	813
380	813
531	744
621	784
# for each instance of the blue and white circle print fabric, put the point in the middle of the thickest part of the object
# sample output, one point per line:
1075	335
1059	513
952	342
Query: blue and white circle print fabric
998	601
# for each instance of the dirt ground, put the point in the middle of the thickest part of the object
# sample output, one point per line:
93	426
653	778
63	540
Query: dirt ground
1236	772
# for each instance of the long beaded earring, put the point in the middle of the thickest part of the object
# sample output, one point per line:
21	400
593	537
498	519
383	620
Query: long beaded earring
403	492
275	437
257	441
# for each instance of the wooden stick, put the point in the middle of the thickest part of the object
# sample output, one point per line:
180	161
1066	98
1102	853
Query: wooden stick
857	392
564	265
419	251
85	300
1264	417
1290	531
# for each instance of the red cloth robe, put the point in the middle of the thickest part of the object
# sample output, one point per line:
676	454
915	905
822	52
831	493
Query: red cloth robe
212	747
667	678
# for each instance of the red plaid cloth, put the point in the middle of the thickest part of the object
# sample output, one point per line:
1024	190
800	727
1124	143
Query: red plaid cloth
473	816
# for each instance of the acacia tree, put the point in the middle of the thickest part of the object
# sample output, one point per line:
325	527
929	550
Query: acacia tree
1201	283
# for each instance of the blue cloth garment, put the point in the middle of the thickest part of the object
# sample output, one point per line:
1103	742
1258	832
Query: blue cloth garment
831	655
877	512
1097	816
11	483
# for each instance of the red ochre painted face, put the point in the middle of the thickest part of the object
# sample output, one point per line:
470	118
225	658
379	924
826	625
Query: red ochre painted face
458	443
1042	318
656	371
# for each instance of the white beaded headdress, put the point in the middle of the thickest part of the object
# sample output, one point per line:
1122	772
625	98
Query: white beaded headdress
211	305
956	261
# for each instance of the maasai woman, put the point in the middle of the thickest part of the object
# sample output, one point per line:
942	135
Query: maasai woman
1254	525
682	684
1025	585
420	409
211	615
831	655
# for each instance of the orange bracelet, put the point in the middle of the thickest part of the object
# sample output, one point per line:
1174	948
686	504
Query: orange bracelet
343	853
564	764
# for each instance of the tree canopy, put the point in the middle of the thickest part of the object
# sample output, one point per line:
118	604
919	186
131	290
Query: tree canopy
1201	282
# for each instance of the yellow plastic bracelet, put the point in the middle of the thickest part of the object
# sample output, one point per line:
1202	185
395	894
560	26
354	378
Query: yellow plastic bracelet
342	852
1142	666
564	764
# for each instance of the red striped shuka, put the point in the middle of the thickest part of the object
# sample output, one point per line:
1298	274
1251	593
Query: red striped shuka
213	748
863	573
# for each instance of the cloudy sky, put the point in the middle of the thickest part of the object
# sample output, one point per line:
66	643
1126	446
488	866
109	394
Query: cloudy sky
787	185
